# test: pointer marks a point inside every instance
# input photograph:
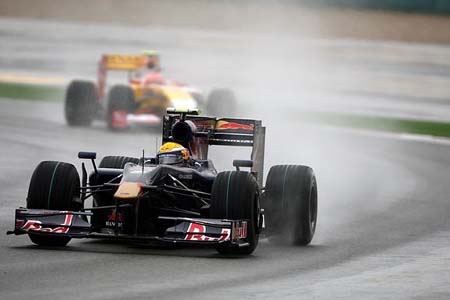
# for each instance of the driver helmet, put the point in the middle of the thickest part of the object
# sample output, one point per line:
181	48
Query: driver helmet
172	153
152	60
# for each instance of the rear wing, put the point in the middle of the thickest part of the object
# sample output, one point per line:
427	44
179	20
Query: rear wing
208	131
123	61
120	62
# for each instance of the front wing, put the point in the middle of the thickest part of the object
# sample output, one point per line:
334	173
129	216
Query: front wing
181	230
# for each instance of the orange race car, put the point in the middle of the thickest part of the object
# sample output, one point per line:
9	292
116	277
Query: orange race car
143	100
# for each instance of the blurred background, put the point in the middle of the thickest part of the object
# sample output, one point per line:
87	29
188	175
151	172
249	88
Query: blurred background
365	53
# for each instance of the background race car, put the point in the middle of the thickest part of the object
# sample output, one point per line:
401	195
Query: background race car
142	100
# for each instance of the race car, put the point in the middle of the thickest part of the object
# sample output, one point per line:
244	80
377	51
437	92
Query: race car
143	100
176	197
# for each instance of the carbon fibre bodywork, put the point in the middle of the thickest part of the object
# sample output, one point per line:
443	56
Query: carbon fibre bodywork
146	201
178	230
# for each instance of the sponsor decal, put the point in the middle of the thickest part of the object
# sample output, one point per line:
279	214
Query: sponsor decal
222	125
112	217
204	125
120	61
239	230
19	223
185	176
111	220
34	225
197	232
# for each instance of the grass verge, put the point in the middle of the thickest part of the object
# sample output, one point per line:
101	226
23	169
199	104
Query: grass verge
25	91
386	124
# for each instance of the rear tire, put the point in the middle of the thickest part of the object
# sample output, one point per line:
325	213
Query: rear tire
81	103
120	102
235	196
221	101
290	204
54	185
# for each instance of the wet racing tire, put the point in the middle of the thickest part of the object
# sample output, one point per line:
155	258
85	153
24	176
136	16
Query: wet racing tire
221	101
116	162
290	204
235	196
121	102
56	186
80	103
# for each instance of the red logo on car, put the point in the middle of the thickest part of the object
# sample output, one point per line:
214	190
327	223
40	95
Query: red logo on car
112	217
34	225
234	125
197	232
239	230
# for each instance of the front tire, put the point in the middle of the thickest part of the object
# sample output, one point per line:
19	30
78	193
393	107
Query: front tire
121	102
235	196
56	186
290	204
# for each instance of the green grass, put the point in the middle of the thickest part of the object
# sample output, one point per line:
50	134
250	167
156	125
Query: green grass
387	124
23	91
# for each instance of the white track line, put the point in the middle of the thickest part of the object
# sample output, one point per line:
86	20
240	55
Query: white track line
27	79
395	136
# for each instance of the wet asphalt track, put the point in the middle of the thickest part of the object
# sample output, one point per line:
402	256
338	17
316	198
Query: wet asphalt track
383	229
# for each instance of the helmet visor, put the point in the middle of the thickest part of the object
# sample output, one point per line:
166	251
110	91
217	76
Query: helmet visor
170	158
